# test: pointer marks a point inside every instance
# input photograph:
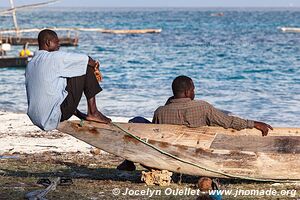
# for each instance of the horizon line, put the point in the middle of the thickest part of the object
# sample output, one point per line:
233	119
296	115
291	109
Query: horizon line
62	6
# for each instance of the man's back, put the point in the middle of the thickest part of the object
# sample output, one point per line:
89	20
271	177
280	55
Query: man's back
196	113
46	77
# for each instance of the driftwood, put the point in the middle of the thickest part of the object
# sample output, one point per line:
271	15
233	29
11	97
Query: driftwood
41	194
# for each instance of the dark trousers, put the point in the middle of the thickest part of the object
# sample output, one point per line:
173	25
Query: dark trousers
86	84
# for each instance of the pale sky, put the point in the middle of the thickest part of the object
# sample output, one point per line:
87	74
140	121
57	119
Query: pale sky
163	3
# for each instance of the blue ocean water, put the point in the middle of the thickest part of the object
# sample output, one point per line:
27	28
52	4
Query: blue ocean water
240	62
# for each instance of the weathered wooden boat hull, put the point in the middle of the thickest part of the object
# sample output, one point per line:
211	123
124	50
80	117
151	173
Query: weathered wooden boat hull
198	151
64	41
13	62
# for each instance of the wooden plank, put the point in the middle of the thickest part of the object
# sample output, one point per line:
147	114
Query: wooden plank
273	144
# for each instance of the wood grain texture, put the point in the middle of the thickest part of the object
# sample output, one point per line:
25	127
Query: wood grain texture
194	145
276	144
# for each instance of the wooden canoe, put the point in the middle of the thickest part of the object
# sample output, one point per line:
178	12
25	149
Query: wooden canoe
203	151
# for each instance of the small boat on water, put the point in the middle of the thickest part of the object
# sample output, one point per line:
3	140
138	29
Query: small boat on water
203	151
12	61
133	31
290	29
13	40
221	14
15	37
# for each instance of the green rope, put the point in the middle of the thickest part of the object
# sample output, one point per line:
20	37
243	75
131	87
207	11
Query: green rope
199	166
81	123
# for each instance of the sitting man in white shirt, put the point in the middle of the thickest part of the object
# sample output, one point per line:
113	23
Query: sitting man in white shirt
55	82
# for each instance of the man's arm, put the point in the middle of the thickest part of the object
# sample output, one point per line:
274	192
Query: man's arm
70	64
263	127
217	117
155	118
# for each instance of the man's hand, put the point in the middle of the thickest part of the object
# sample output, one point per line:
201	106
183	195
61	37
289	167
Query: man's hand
97	72
95	65
92	62
263	127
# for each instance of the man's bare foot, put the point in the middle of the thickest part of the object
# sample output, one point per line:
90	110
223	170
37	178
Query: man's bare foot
98	117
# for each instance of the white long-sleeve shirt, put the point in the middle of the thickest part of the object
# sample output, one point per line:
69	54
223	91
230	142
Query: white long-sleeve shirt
46	79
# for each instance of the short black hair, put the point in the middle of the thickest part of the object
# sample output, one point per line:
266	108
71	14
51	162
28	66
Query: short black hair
45	35
181	84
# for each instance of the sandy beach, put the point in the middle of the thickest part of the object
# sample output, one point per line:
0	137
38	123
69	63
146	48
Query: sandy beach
28	154
19	135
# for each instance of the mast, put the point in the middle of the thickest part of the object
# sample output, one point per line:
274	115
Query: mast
14	17
13	11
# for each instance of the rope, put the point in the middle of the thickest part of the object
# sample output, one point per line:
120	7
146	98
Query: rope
202	167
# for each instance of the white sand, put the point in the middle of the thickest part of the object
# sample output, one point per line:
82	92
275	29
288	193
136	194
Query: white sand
18	134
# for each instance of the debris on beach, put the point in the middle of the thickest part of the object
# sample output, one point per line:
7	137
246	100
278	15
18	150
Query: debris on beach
95	151
41	134
8	157
157	177
40	194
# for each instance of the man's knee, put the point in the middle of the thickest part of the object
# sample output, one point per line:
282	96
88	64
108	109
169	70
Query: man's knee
139	120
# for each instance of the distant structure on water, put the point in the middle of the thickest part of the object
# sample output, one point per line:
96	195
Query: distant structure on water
221	14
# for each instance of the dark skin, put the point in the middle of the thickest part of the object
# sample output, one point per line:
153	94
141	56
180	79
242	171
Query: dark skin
93	113
190	93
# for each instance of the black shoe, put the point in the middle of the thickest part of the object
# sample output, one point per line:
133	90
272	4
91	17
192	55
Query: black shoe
126	165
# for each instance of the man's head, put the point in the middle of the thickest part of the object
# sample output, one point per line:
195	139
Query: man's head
183	87
48	40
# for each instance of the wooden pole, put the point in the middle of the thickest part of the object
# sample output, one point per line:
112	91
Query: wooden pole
14	17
